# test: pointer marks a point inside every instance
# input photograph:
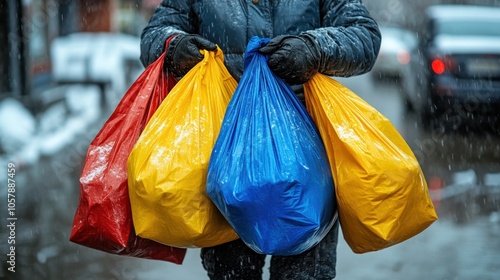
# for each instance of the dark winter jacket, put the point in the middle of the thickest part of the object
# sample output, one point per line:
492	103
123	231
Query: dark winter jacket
348	38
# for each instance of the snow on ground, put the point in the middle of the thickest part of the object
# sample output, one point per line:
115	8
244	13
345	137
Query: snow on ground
17	125
25	138
83	105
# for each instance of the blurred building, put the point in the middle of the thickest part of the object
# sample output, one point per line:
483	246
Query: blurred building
29	27
13	55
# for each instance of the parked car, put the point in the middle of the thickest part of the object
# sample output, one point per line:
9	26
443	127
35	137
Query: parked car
456	83
395	52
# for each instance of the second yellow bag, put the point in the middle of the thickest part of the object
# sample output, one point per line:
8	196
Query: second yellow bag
168	165
381	191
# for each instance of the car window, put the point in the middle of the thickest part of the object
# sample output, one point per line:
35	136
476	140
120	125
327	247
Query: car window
469	27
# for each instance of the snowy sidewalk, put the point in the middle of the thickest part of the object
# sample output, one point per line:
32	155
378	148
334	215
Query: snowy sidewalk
443	251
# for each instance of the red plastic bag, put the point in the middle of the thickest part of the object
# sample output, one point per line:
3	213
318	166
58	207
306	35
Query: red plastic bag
103	219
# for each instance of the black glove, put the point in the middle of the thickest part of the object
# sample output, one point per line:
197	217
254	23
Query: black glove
295	59
183	53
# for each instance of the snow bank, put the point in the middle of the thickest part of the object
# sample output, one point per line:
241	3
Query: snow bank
24	139
17	125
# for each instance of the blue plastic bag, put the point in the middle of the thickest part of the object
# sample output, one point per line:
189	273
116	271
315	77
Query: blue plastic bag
268	173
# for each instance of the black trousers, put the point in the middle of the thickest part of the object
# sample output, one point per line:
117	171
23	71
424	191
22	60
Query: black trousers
234	260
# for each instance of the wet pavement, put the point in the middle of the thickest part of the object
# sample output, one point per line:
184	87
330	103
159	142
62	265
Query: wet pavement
463	244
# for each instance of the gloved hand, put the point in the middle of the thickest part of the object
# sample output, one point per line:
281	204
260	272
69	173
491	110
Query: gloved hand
183	53
295	59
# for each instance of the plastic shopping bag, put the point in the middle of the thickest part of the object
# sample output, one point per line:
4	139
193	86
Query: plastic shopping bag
168	166
103	219
269	173
381	191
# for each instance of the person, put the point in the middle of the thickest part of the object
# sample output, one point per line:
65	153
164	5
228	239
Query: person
333	37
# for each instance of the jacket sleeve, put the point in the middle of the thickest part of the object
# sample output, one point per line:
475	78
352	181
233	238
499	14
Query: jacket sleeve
349	40
170	17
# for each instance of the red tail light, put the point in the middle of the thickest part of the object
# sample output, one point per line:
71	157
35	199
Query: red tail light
441	65
403	57
438	66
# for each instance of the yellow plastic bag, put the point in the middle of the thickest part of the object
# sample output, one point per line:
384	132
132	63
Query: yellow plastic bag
168	165
382	194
